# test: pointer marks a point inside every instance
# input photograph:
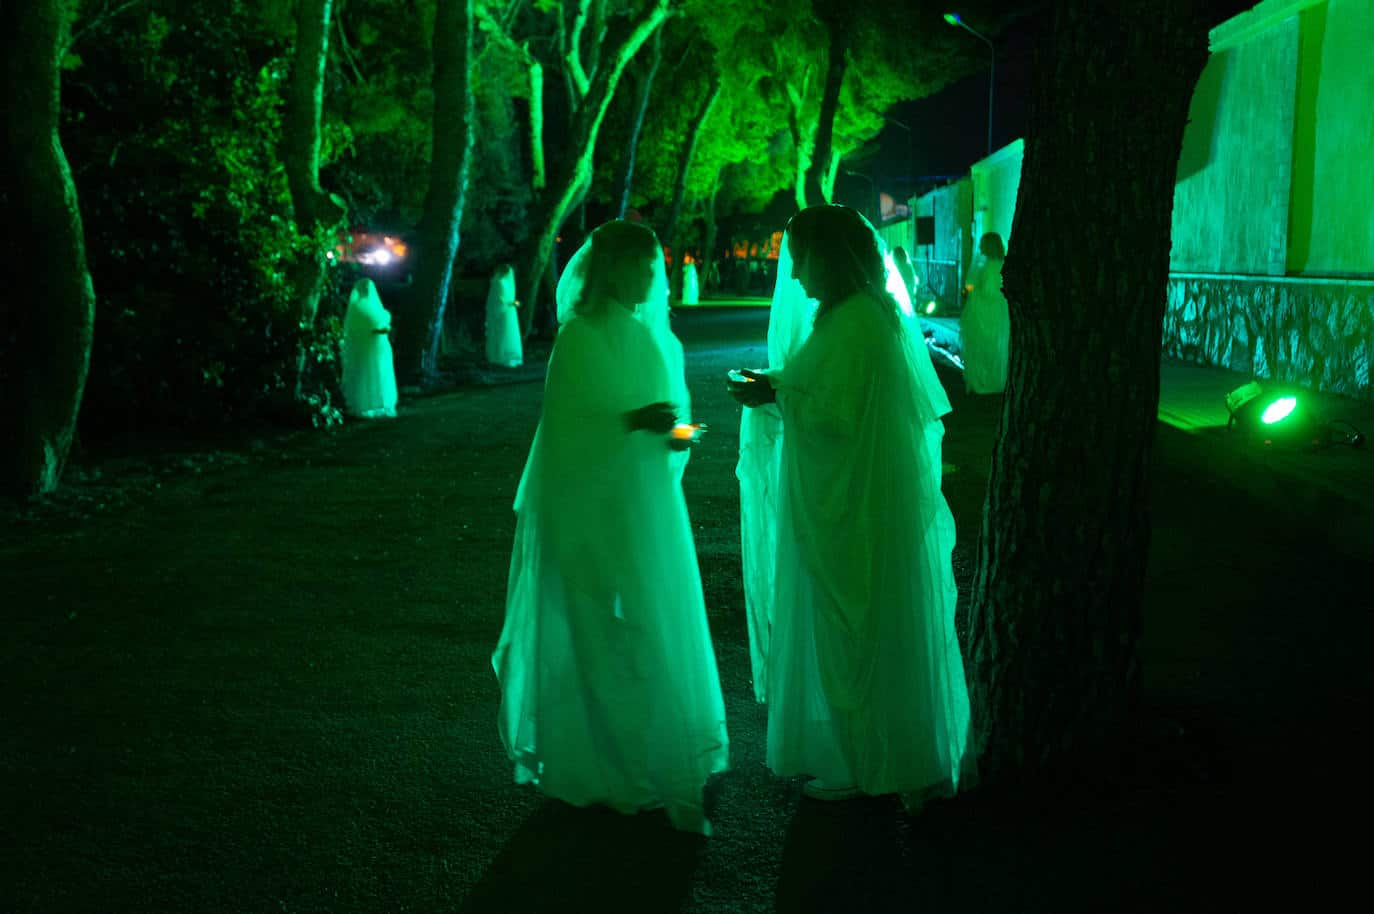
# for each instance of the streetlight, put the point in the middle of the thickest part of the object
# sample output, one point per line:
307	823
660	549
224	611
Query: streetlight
872	193
954	19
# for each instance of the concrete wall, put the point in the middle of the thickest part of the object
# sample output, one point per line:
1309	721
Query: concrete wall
996	180
1331	221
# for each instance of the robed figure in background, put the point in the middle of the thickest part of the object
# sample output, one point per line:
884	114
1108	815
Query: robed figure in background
847	538
369	373
609	688
985	325
503	320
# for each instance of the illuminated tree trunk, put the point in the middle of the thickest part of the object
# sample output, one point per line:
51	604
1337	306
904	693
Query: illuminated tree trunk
1058	592
819	175
301	156
420	330
684	165
646	85
594	88
45	334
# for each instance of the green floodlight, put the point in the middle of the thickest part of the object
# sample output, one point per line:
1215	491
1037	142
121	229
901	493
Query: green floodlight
1274	418
930	307
953	18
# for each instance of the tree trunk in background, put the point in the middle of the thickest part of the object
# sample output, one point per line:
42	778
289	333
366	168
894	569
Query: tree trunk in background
684	165
421	326
1058	593
646	85
709	254
45	336
819	176
569	179
301	157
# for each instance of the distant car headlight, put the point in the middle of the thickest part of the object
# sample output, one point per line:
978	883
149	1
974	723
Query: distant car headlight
376	257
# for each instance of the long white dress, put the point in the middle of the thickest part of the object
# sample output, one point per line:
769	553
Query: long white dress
610	692
503	323
691	292
985	330
849	583
369	373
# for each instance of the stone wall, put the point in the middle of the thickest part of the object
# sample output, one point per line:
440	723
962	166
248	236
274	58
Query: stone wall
1315	333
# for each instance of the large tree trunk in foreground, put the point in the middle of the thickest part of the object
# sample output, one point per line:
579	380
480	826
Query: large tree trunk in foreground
301	156
421	326
45	337
569	180
1058	593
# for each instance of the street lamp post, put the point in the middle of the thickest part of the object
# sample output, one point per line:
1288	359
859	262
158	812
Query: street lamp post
872	193
956	20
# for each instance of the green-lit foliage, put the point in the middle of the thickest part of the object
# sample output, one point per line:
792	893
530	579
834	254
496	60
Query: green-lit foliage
172	122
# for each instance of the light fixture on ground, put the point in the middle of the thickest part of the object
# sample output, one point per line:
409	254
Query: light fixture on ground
1275	417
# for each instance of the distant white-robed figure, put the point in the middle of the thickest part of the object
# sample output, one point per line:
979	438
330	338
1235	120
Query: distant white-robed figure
985	325
847	538
609	688
503	319
369	374
691	292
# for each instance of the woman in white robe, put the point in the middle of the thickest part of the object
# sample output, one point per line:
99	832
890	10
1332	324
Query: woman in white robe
985	326
503	320
609	688
691	292
369	374
847	537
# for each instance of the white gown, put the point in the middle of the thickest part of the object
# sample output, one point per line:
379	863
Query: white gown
503	323
847	554
610	693
985	330
691	293
369	374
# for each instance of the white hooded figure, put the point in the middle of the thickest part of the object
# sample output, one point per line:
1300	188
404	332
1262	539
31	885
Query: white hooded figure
503	320
369	375
847	538
985	325
691	292
609	688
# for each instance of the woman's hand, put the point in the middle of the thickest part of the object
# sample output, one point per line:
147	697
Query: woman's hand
658	418
750	387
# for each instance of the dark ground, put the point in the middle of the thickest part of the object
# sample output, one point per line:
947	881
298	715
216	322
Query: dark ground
261	683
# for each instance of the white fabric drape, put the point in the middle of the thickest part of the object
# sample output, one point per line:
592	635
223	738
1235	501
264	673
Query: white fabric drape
503	322
610	692
369	374
985	330
847	544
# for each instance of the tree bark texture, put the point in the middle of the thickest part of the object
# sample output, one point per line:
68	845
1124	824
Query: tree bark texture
45	336
817	187
301	156
684	165
1057	602
645	87
420	330
571	174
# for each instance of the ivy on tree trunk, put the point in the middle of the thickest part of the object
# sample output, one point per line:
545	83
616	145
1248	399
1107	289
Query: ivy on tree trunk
45	336
1058	592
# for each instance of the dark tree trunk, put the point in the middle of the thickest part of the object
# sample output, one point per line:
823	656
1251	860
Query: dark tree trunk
837	23
301	156
709	255
645	86
568	182
1058	592
421	329
684	165
45	335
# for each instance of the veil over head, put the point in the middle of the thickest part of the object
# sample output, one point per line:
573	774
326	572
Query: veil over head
621	264
840	253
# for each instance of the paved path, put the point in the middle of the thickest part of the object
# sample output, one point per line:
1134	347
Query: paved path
266	687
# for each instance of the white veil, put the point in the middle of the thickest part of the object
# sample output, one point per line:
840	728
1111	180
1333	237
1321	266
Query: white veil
790	322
